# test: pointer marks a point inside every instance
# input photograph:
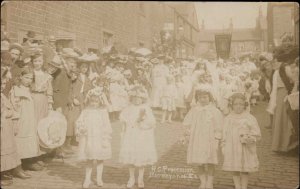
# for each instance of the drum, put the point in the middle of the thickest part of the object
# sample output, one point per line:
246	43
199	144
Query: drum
52	130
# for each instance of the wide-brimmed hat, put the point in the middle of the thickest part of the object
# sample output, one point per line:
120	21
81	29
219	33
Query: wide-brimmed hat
69	53
56	62
88	57
52	130
16	46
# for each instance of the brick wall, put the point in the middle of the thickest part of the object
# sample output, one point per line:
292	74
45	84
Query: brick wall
87	21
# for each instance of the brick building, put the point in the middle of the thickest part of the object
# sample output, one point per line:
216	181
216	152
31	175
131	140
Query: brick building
186	28
242	40
88	25
280	17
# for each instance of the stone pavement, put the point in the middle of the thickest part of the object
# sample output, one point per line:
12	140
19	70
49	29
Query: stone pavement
171	171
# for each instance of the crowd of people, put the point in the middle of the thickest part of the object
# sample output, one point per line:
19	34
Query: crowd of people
213	98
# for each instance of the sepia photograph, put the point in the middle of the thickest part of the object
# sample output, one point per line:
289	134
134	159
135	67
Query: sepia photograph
149	95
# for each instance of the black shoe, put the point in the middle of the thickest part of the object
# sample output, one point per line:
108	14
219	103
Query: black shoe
6	182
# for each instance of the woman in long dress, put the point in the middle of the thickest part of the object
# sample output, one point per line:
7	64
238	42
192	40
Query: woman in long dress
284	137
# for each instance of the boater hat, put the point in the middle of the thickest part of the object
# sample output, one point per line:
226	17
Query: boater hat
52	130
56	62
16	46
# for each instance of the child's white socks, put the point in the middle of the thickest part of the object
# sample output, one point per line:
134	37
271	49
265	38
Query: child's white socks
99	174
209	182
141	178
202	181
237	182
88	174
131	181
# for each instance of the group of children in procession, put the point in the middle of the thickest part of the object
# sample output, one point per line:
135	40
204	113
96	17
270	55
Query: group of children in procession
207	93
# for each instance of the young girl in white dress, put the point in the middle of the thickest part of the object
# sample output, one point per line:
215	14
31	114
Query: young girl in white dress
93	130
240	133
168	99
180	100
137	142
204	121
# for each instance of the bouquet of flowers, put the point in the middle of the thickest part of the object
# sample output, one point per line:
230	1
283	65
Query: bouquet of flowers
141	119
245	133
184	140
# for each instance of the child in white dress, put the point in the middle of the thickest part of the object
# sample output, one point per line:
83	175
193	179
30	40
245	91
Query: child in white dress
240	133
205	122
180	100
137	141
168	99
93	130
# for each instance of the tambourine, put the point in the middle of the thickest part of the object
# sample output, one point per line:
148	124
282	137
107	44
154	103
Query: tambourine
52	130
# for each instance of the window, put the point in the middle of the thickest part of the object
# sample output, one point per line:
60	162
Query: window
107	39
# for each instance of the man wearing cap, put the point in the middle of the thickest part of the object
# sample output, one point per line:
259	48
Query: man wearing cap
30	39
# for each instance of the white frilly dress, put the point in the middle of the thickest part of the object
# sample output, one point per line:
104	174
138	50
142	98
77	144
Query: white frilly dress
237	156
93	130
206	131
137	139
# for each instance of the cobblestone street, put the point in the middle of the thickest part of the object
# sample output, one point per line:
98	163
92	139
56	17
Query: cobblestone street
171	172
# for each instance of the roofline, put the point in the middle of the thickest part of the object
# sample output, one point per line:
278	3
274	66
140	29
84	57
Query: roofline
183	17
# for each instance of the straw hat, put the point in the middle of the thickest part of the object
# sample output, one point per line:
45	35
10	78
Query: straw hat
56	62
69	53
89	57
16	46
52	130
